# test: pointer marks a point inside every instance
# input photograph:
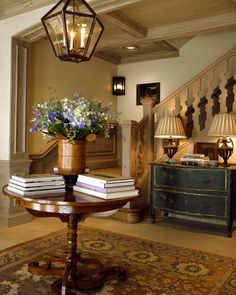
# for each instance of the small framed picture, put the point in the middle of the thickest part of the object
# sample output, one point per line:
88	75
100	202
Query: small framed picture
207	148
148	89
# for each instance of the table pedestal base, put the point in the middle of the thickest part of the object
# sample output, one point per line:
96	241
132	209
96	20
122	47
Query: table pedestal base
76	272
94	277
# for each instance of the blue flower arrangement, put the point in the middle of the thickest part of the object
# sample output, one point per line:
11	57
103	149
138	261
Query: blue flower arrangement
72	119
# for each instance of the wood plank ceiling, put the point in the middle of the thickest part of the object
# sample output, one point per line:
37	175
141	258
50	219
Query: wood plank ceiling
157	28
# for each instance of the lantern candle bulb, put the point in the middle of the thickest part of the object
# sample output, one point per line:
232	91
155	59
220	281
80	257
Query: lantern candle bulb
82	36
72	35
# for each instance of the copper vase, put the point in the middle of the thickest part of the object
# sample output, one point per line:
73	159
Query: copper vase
71	160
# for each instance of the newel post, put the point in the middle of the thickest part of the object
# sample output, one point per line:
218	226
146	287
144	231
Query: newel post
148	104
128	147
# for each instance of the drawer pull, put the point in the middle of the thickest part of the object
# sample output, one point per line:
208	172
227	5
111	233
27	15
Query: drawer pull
206	206
209	180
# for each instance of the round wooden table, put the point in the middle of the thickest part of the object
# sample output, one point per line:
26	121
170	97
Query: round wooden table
71	207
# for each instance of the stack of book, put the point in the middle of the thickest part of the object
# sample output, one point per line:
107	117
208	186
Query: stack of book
36	184
194	160
106	186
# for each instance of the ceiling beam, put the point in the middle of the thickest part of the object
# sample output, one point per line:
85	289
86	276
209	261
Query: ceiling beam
31	30
177	30
105	6
126	24
17	7
149	56
195	27
108	57
164	45
99	6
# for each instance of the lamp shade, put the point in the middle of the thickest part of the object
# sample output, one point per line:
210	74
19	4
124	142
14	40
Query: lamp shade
73	30
223	124
170	127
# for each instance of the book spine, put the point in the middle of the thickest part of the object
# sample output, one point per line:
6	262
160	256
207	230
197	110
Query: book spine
194	156
194	160
92	187
36	179
90	192
34	193
36	184
106	195
39	189
105	180
16	191
106	189
93	181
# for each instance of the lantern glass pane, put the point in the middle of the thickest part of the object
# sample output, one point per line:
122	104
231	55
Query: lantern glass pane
96	34
78	28
54	26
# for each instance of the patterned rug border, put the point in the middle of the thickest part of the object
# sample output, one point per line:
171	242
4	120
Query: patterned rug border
82	226
163	243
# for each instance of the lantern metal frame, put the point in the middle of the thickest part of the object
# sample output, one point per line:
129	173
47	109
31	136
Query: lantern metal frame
79	16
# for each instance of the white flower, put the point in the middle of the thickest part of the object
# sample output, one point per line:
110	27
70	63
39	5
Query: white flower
77	111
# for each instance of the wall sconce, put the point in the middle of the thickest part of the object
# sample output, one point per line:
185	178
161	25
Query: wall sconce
118	86
224	125
73	30
170	129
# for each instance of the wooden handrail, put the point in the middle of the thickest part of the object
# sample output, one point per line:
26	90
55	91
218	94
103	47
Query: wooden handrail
44	153
198	76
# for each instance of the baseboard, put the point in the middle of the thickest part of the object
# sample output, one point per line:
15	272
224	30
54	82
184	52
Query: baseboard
15	219
129	215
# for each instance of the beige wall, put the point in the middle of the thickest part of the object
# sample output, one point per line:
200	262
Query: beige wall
92	79
172	73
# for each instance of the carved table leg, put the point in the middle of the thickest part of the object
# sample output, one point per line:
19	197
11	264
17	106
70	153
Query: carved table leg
72	274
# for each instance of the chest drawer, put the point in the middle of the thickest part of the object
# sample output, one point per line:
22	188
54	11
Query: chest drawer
206	205
190	178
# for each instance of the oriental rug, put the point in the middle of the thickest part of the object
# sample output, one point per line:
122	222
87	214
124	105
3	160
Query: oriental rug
153	268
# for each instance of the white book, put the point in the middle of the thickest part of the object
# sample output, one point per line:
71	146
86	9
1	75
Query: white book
39	189
107	196
37	184
106	189
106	185
34	193
194	156
37	177
105	180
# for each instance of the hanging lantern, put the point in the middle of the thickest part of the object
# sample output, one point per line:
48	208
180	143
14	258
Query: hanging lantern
73	30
